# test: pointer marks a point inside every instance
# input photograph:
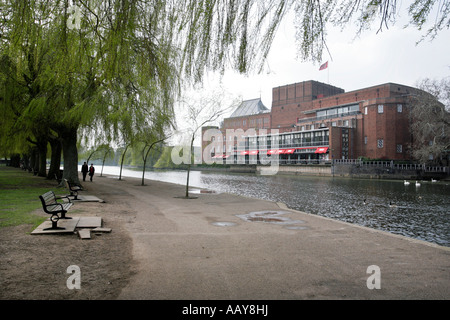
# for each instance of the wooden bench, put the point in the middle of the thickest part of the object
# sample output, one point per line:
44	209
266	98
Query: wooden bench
73	189
53	205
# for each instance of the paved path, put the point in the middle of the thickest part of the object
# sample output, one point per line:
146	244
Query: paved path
183	254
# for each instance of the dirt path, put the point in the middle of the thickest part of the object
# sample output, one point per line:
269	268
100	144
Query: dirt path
35	266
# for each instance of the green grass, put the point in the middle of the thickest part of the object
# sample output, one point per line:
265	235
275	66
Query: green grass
19	197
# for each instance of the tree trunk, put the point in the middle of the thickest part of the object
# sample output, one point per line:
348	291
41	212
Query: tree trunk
121	163
42	158
189	165
143	172
103	163
34	163
55	162
26	161
70	155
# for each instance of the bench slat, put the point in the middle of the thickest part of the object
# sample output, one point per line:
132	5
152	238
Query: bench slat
51	205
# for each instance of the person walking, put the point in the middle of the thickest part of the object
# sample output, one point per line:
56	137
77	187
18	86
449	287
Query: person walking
84	170
91	171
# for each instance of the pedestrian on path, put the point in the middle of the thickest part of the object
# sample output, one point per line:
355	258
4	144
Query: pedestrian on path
91	171
84	170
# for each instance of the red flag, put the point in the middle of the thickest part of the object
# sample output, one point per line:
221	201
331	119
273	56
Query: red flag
324	66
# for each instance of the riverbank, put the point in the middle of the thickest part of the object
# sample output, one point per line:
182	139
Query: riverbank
219	246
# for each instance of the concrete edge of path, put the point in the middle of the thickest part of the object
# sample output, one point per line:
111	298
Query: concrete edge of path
398	236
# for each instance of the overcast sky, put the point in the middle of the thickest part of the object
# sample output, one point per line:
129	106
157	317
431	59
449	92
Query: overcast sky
372	59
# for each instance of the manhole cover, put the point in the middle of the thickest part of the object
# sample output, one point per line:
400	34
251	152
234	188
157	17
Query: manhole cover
224	224
270	216
264	219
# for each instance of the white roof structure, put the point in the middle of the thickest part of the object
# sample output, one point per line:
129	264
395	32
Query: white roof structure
250	107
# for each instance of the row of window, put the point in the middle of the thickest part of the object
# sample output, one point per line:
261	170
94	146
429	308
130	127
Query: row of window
380	108
339	111
380	144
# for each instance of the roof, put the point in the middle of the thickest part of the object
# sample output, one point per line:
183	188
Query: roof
249	107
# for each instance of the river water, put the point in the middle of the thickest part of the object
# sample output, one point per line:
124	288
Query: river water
419	212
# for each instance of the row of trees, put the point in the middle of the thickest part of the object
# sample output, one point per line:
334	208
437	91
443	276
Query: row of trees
111	71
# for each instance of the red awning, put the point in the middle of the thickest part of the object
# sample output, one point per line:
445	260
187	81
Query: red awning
289	151
322	150
253	152
243	153
274	151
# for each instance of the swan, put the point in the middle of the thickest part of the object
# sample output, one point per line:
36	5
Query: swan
432	180
406	183
417	184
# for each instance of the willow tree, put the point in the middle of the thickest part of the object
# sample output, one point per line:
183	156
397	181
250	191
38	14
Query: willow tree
152	135
100	56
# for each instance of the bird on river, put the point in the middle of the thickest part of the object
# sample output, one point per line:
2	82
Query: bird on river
417	184
391	205
406	183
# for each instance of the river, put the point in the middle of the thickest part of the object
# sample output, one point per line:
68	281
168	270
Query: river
419	212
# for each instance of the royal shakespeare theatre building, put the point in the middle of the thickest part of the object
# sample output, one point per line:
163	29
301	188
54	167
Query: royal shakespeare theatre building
313	122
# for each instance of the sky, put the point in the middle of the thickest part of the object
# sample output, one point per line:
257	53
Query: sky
391	55
372	59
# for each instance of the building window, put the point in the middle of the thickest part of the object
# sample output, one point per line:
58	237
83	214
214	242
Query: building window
365	140
244	122
365	110
399	108
380	143
380	108
399	148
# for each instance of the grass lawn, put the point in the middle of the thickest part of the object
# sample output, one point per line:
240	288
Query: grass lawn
19	196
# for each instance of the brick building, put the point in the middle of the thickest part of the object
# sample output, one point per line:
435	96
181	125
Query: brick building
312	122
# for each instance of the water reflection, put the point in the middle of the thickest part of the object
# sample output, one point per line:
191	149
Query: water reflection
418	212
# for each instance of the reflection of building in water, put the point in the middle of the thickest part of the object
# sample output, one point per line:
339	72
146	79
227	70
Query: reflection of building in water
316	122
